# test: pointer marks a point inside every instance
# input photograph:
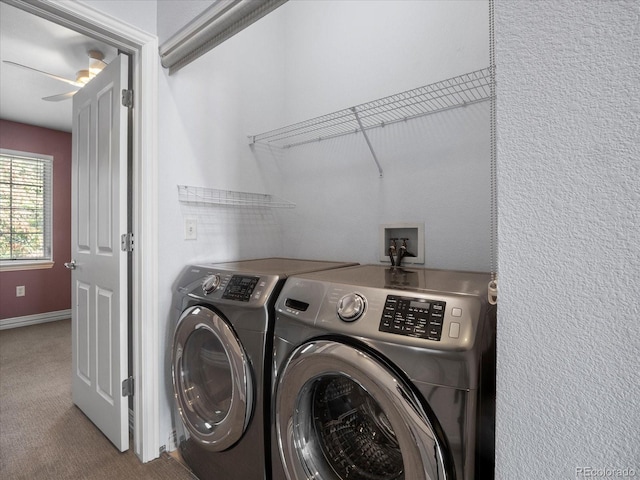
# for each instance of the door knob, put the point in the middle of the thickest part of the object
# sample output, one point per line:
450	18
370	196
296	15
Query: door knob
71	265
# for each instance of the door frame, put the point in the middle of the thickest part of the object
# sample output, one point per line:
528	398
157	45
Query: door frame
143	48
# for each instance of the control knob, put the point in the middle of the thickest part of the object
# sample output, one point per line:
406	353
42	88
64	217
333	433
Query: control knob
351	307
210	284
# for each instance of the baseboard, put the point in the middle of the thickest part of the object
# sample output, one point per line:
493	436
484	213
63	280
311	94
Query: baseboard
34	319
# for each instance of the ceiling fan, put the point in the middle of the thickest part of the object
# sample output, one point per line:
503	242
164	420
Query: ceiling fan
96	64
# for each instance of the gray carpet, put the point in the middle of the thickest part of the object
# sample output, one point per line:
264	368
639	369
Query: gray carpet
42	434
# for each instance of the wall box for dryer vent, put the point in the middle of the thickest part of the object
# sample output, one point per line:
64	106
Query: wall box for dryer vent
414	232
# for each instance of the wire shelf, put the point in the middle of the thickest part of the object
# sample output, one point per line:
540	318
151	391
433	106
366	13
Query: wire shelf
203	196
454	92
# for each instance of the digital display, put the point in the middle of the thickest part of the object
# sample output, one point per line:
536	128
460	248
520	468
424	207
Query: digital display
420	304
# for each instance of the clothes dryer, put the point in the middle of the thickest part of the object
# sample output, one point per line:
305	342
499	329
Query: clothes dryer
384	373
224	326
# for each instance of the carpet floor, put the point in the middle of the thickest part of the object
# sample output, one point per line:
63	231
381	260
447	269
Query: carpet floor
42	434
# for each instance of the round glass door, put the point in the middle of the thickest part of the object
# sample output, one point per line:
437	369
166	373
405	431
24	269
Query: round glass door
211	379
343	415
206	379
354	435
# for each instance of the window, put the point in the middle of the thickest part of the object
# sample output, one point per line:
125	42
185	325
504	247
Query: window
25	209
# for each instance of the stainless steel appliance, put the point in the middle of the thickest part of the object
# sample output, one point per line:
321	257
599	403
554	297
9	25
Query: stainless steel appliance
384	373
219	373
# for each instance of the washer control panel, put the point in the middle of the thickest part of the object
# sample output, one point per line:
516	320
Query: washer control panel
414	317
240	288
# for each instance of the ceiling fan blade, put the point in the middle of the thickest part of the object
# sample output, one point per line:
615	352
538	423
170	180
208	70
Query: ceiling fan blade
60	97
51	75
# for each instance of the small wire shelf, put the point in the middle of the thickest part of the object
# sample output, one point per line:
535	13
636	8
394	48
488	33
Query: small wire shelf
202	196
454	92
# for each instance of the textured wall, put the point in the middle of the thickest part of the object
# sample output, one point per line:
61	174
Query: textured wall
569	213
47	290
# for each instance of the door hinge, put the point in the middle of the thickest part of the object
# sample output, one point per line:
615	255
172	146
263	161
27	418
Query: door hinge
126	242
127	98
127	387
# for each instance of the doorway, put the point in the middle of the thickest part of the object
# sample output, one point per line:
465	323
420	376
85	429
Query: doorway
143	48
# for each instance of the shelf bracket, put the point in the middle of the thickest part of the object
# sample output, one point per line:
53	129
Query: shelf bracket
373	153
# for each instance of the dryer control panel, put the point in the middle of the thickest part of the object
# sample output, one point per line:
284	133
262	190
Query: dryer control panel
414	317
226	288
240	288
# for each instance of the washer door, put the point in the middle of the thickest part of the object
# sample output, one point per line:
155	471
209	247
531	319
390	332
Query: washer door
211	379
342	414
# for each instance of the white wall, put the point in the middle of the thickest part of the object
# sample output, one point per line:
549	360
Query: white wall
345	52
569	215
436	171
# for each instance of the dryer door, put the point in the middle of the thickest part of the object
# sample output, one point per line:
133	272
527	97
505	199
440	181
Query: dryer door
211	379
343	414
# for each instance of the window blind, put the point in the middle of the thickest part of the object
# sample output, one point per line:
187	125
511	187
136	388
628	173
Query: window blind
25	206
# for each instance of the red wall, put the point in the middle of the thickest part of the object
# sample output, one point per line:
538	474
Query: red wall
47	290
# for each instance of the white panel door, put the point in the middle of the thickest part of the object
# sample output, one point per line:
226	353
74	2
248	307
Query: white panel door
99	279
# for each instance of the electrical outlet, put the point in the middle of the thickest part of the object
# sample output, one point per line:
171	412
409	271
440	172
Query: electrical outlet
20	291
190	229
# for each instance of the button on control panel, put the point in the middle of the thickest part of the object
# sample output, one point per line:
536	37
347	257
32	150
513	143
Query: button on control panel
414	317
240	288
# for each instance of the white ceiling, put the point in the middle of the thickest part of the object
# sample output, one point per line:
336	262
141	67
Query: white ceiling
46	46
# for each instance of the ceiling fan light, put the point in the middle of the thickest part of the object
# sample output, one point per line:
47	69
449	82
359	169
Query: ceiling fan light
96	55
83	77
96	63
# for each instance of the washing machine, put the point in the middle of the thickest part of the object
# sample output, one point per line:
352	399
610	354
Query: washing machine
224	326
384	373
